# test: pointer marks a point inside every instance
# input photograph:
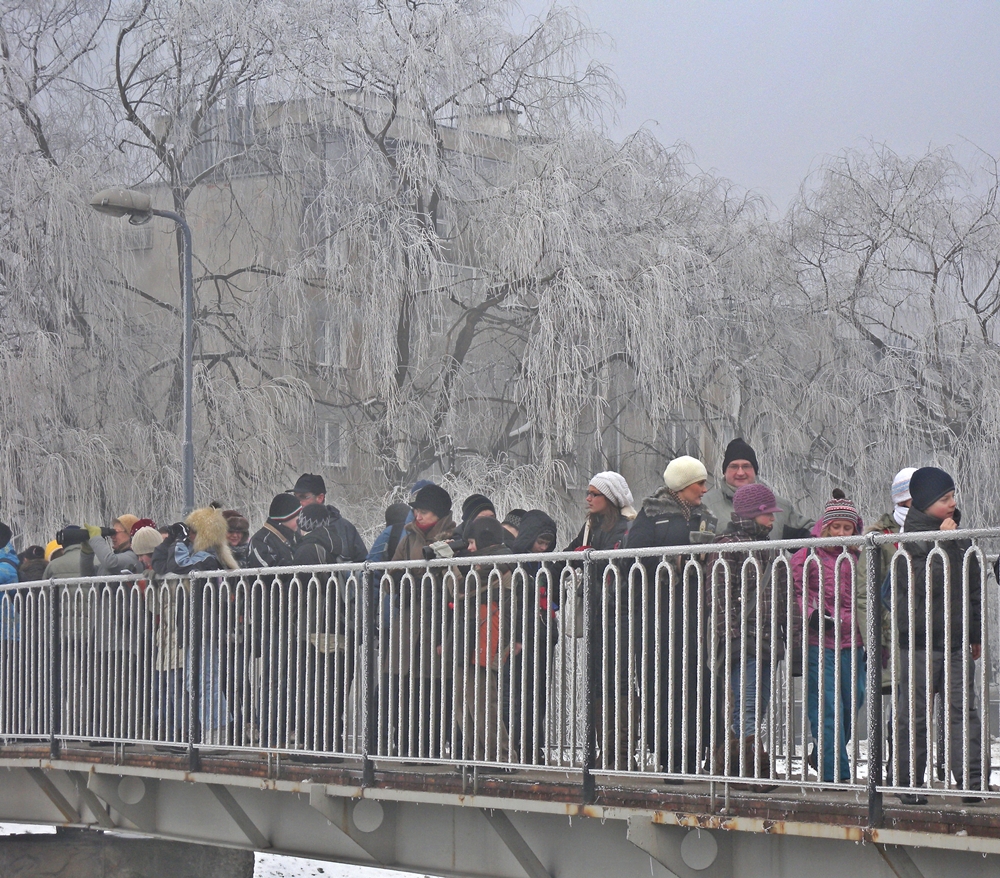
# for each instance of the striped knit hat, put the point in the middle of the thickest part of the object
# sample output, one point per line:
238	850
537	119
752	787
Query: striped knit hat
839	508
901	485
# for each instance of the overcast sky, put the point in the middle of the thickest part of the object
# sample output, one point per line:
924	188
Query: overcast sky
762	91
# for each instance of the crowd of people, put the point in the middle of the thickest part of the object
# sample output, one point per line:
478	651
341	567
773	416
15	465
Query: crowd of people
509	649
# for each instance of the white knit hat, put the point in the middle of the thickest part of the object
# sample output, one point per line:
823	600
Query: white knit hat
684	471
613	486
145	540
901	485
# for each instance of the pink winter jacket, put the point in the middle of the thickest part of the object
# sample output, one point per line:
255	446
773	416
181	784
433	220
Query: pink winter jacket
823	581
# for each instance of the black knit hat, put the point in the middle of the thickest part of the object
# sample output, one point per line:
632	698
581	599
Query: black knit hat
313	516
487	533
474	504
738	449
396	513
434	499
928	484
283	507
514	518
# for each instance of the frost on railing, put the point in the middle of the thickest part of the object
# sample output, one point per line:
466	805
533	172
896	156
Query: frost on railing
747	663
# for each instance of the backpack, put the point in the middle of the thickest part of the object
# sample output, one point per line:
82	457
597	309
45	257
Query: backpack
489	635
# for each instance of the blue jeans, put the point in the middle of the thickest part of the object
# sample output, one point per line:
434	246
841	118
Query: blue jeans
747	699
838	708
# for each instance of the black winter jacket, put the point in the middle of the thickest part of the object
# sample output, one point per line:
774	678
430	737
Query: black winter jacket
917	521
272	546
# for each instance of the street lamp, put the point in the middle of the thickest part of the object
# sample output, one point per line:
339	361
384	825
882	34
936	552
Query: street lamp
138	207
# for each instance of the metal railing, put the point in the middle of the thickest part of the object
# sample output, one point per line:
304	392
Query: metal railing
715	663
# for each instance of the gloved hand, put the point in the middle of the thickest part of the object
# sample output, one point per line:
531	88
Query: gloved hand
94	530
178	531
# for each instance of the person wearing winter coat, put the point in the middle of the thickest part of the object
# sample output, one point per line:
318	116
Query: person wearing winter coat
889	523
9	575
834	610
103	559
609	514
274	544
739	468
310	488
397	516
411	659
238	535
937	587
9	560
673	516
318	603
473	507
197	545
482	643
746	602
536	592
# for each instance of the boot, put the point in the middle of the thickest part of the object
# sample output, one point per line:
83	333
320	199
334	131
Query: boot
754	750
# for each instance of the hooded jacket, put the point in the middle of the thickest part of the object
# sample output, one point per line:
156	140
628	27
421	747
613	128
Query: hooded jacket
9	565
207	549
353	548
920	588
820	587
534	523
418	599
756	590
321	545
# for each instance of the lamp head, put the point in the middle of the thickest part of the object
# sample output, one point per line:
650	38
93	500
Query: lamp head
137	206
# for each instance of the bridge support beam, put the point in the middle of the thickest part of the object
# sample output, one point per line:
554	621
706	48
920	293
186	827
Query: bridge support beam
72	853
515	843
683	852
899	860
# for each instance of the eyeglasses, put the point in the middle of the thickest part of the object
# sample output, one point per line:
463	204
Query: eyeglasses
594	494
303	497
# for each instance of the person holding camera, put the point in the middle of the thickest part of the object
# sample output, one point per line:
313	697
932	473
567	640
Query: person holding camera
101	558
412	664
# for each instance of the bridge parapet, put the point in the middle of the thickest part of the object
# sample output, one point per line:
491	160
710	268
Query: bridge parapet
596	684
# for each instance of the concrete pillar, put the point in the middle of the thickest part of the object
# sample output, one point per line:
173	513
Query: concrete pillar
82	853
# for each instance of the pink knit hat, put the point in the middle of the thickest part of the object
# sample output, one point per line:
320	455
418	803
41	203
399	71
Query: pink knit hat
753	500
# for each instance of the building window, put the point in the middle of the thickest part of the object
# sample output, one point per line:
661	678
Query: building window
331	450
330	350
138	237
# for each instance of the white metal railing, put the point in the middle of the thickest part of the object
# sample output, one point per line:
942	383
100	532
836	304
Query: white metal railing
691	663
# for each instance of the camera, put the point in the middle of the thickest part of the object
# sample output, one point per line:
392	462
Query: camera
445	549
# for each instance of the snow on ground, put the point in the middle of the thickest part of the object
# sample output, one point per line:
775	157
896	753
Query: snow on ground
272	866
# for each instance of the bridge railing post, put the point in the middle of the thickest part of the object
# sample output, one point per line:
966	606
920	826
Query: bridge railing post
55	699
590	635
369	699
194	667
874	641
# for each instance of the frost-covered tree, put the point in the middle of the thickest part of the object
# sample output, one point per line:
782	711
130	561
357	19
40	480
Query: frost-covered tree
894	290
414	241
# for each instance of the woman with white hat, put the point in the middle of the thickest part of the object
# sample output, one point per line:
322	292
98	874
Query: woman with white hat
609	513
670	649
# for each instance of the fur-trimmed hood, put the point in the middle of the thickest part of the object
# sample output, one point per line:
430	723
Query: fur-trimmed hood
210	528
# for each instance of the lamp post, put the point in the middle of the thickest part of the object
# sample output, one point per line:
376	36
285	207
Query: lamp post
138	207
